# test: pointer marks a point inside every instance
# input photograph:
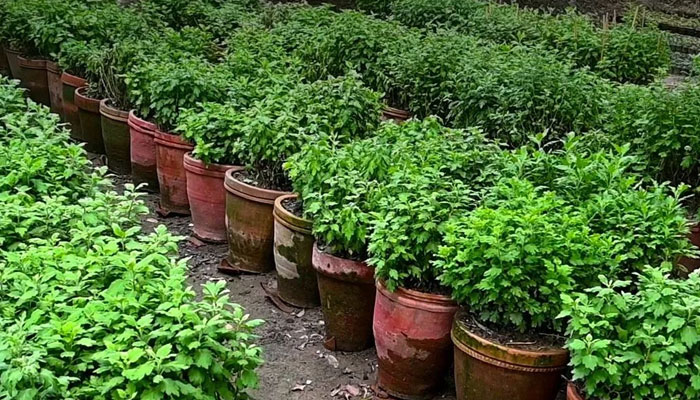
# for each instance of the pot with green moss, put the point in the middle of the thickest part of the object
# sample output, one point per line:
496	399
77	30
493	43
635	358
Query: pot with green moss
293	247
12	57
35	79
115	135
71	114
90	120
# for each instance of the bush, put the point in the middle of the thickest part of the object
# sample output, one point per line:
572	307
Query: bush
636	340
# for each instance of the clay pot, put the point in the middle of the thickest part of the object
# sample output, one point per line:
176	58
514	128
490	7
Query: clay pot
115	134
487	370
53	74
172	178
347	295
70	109
412	336
143	152
395	114
688	263
90	121
296	277
572	392
249	225
4	66
35	79
207	197
13	63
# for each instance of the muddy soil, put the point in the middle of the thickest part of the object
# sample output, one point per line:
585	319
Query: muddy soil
297	366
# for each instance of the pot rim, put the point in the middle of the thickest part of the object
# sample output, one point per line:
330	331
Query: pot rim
30	63
344	269
86	103
10	50
72	80
250	192
199	167
52	66
113	113
396	112
291	221
169	140
141	124
545	360
417	299
572	392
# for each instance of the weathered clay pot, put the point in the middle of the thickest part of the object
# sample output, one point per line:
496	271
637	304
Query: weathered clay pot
90	121
35	79
487	370
207	197
691	264
172	178
53	74
70	109
296	278
395	114
572	392
4	66
412	336
13	63
143	152
115	134
249	225
347	295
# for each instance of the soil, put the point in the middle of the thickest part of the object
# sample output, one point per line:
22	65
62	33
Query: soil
297	366
534	341
264	180
294	206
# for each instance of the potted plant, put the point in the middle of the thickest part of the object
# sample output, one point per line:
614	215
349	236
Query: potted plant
635	339
164	89
71	61
434	173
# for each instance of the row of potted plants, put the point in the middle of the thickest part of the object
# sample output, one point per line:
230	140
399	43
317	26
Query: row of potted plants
93	306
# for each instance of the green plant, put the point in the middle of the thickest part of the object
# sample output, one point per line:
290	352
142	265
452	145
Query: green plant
636	339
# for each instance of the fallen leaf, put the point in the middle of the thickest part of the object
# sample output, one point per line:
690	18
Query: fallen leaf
352	390
332	361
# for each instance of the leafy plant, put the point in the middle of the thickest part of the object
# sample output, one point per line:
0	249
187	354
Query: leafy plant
636	340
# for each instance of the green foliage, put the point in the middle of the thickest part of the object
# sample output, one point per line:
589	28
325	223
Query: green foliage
636	340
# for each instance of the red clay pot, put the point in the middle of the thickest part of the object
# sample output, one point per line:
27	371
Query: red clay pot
487	370
70	110
13	63
90	121
4	66
207	197
296	278
688	263
347	295
172	179
412	336
143	152
35	79
395	114
249	225
115	134
53	74
572	392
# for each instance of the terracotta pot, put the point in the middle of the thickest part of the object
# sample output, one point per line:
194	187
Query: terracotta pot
35	79
90	121
347	295
207	197
296	277
395	114
412	336
572	392
487	370
172	178
143	152
115	134
13	63
4	66
70	109
688	263
53	74
249	225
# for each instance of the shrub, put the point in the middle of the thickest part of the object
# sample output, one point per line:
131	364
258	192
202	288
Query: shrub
636	340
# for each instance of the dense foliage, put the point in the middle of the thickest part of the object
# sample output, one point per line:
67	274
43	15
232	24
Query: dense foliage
636	339
91	306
